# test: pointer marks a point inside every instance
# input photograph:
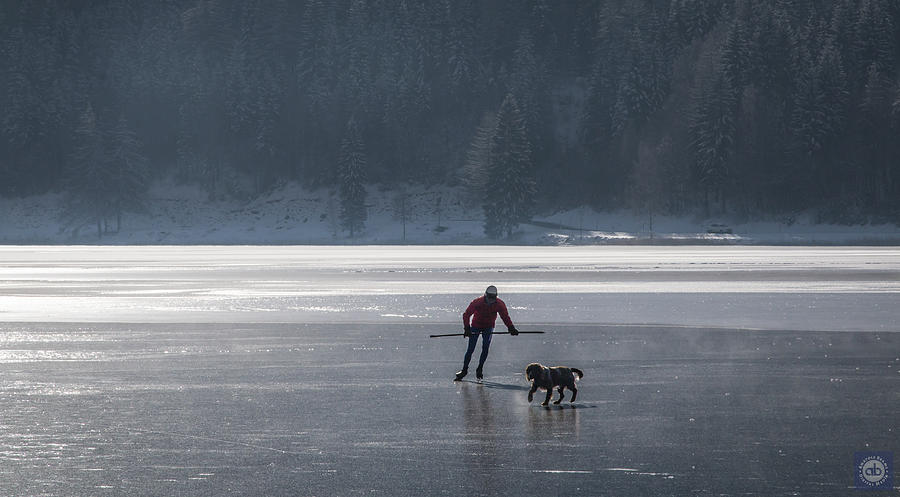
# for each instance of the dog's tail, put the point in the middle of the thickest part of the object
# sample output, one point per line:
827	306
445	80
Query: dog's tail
578	372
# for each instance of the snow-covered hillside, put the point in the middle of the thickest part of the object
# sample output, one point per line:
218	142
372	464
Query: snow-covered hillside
295	215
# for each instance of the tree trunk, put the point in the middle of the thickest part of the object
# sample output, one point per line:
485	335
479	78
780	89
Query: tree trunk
706	200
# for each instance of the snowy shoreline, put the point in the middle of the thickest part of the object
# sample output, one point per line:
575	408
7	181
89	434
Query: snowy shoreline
293	215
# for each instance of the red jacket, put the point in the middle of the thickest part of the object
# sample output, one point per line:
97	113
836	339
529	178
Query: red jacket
485	315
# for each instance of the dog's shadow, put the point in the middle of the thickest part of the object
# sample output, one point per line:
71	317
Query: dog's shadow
497	385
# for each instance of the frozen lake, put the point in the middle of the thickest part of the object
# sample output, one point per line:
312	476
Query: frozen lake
798	288
309	371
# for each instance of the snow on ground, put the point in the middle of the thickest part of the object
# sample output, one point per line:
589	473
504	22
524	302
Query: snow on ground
294	215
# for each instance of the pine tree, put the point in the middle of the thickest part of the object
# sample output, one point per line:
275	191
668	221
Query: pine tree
895	107
875	135
648	177
402	209
21	101
318	57
875	40
511	187
809	121
692	19
833	84
479	155
771	62
819	101
351	175
736	54
712	131
596	121
129	171
32	100
526	81
357	83
88	175
266	112
464	67
316	67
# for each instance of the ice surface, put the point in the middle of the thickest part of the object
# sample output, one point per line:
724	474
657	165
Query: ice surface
308	371
289	409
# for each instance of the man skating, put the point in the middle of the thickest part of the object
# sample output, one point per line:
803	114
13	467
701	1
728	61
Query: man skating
483	314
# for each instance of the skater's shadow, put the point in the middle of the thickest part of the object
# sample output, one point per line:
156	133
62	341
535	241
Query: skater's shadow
499	386
560	407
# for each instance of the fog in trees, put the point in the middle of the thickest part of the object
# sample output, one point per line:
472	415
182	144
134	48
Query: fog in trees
740	108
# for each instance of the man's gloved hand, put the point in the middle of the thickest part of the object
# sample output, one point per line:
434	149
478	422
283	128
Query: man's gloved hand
467	331
513	331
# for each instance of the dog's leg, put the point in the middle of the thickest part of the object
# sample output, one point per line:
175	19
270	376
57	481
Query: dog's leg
531	392
574	392
549	394
561	395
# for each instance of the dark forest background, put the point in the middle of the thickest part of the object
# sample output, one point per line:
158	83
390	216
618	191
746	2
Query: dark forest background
744	108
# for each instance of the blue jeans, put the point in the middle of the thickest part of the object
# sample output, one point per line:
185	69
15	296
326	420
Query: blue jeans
486	334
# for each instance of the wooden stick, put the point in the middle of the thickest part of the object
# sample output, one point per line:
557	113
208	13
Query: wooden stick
494	333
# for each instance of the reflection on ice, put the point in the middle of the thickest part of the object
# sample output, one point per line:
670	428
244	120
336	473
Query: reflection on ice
8	356
789	287
562	471
637	472
44	388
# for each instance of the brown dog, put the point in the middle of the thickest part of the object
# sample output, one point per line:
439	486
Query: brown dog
548	378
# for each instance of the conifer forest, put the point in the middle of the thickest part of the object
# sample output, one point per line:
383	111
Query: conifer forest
743	108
